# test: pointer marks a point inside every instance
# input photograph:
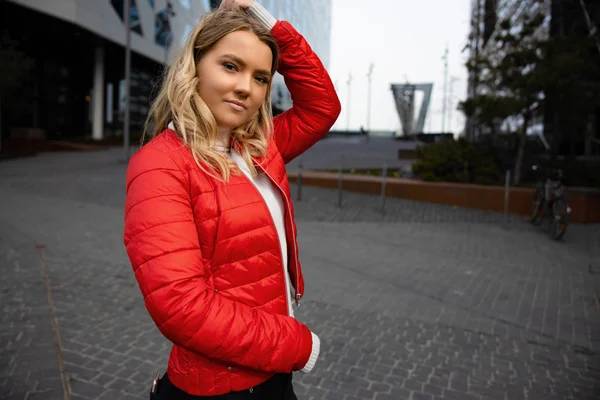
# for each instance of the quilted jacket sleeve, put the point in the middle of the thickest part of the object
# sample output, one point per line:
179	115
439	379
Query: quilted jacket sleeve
162	244
316	105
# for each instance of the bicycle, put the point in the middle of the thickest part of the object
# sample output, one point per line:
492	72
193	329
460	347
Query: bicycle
550	201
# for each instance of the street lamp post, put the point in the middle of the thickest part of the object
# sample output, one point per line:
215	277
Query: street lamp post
348	82
445	99
127	110
371	66
450	101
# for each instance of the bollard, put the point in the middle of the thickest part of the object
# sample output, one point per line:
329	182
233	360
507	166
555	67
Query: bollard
340	181
299	181
383	184
506	196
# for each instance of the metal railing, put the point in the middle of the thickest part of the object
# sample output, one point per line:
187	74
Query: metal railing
372	163
384	168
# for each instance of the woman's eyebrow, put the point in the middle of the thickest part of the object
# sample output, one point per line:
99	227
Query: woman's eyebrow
243	64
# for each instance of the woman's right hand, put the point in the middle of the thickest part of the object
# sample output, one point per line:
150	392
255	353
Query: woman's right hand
235	4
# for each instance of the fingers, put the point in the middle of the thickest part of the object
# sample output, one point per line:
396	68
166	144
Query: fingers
228	5
224	4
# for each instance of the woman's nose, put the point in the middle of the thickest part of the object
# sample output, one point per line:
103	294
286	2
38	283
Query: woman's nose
243	85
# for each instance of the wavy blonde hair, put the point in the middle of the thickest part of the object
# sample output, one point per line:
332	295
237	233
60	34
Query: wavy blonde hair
178	99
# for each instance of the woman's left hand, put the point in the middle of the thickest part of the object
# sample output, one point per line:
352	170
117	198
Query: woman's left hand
235	4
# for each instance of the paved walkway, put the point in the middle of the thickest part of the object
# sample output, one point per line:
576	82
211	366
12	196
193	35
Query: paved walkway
422	302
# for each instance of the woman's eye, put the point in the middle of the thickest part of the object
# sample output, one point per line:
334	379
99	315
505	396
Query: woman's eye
262	79
229	66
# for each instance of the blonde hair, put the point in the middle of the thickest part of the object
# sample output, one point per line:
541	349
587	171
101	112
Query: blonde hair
178	99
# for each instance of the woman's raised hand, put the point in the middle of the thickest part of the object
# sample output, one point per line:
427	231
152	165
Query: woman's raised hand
235	4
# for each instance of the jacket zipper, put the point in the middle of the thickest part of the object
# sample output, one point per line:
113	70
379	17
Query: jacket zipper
298	296
286	294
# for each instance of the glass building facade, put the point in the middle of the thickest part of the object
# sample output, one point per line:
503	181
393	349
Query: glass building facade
312	18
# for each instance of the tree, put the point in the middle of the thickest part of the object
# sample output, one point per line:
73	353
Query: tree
523	73
520	76
511	82
14	67
490	110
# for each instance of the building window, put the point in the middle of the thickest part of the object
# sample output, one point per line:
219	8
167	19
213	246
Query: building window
162	29
134	16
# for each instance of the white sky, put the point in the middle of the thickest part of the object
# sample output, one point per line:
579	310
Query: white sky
405	39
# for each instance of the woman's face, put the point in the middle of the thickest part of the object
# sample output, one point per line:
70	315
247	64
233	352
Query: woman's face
233	78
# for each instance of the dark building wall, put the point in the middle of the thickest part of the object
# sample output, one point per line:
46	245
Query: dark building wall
563	124
53	95
56	95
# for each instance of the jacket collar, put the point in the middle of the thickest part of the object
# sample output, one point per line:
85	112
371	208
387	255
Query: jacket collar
258	161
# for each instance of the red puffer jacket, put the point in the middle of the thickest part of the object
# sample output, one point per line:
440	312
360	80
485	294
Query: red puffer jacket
206	254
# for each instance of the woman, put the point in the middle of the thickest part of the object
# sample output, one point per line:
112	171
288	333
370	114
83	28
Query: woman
209	225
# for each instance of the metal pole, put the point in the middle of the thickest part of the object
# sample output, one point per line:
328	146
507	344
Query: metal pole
340	181
369	99
300	181
383	185
445	100
348	82
127	80
506	195
450	105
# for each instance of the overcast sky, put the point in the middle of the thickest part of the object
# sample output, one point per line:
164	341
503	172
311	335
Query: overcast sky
405	39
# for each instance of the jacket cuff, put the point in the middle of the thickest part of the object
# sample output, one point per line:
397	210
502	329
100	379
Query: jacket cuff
261	13
314	354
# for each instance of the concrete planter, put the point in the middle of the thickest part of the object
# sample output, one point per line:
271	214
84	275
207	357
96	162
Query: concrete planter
584	202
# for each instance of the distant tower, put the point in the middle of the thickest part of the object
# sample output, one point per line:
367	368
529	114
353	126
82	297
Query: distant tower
404	96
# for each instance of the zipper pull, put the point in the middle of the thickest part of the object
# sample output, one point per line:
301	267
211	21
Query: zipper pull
298	297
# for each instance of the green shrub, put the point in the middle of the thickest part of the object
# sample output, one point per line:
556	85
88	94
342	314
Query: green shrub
485	163
457	161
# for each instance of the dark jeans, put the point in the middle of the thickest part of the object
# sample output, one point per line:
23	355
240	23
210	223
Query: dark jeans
278	387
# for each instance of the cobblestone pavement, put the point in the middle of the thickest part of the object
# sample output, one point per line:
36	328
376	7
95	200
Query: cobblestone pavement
422	302
28	363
